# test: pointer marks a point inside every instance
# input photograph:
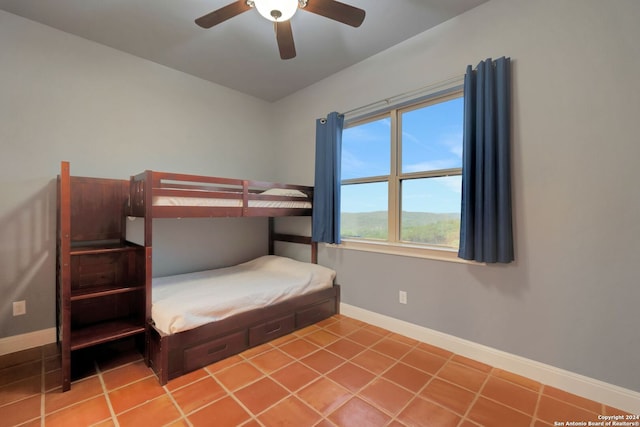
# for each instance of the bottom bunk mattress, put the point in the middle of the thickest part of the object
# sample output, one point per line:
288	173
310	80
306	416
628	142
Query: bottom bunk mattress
186	301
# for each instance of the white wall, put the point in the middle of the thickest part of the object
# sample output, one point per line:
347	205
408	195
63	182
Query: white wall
571	298
111	115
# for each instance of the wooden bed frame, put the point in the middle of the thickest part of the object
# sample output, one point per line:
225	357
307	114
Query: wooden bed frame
171	356
149	184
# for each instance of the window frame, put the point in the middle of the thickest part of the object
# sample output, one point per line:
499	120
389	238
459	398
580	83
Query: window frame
394	245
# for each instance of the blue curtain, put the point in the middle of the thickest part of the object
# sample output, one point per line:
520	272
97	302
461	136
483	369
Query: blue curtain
326	196
486	226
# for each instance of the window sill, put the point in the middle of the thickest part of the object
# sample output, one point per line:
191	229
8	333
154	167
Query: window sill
404	249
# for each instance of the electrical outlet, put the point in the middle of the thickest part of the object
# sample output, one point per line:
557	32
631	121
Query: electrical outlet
19	308
402	297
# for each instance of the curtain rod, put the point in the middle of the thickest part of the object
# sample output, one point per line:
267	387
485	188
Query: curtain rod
431	89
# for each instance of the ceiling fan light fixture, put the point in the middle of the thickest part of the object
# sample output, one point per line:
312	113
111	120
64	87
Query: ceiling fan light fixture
276	10
280	12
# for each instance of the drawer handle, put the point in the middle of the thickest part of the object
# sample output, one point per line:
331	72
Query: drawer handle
217	349
273	330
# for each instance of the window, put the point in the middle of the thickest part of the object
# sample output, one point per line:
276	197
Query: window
402	176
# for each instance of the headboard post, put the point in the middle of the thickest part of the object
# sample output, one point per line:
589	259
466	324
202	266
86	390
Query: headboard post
314	252
271	236
149	182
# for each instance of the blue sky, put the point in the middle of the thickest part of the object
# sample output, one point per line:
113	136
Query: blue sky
431	140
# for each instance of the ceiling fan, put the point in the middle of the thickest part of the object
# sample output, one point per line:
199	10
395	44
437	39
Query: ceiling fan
280	12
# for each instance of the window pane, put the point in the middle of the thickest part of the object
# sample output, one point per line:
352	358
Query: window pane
366	149
431	211
432	137
364	211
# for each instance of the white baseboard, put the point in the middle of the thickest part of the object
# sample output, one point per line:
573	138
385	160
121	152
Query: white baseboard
28	340
599	391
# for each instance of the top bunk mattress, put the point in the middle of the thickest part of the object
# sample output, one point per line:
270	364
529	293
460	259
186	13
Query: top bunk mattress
186	301
302	203
214	202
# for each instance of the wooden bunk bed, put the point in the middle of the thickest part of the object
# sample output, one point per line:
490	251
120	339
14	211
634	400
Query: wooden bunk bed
168	195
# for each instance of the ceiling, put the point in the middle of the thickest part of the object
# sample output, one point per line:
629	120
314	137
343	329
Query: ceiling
240	53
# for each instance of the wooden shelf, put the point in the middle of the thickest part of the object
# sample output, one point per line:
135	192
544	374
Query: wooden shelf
103	291
96	249
102	282
104	332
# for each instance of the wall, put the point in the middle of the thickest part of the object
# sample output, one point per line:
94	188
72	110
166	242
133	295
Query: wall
571	298
111	115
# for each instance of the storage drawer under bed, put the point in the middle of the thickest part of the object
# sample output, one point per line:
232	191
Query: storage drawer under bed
315	313
272	329
204	354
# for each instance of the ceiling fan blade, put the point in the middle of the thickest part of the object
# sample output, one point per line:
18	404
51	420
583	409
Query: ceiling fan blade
284	36
222	14
337	11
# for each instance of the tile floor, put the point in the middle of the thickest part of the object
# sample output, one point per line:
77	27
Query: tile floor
340	372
